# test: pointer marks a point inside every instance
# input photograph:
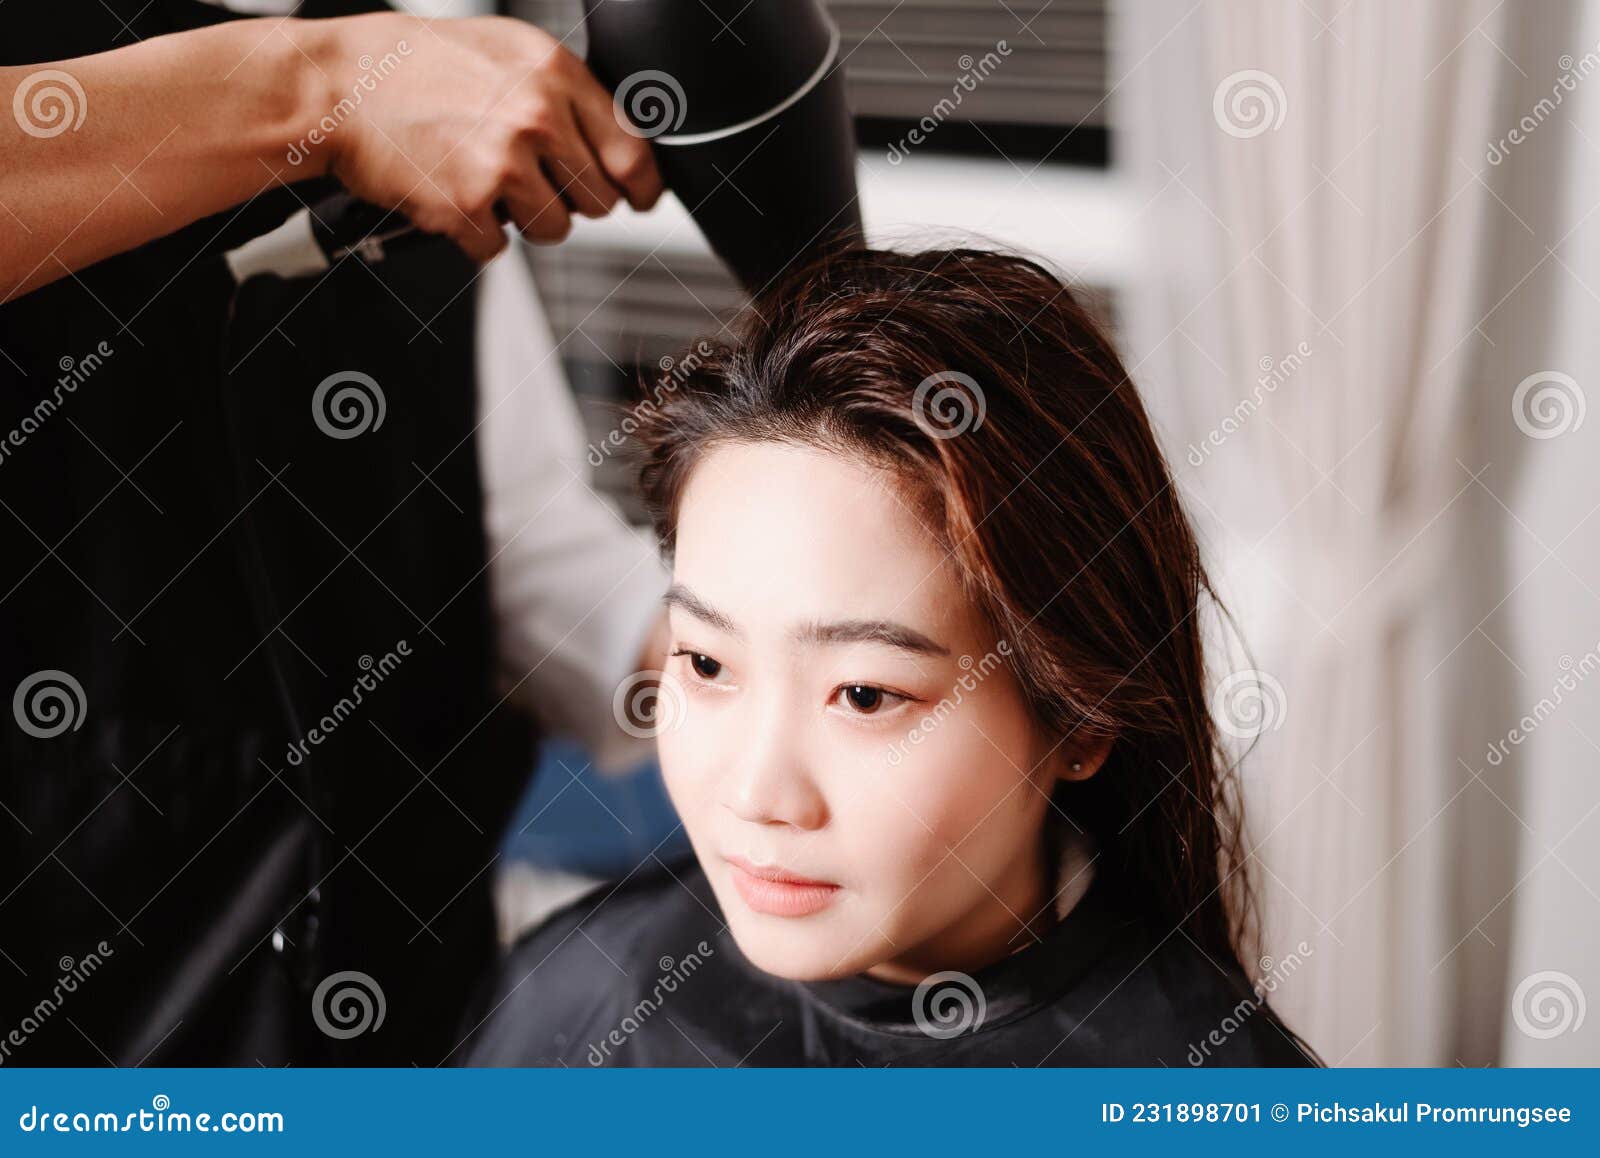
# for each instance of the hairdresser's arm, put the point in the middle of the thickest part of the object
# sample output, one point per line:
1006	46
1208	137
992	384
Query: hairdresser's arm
441	119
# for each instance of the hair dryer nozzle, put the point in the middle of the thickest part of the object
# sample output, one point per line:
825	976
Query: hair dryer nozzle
745	105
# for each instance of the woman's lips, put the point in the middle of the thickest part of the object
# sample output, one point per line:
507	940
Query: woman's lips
780	893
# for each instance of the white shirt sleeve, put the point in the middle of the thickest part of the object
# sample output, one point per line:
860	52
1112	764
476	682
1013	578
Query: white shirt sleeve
575	589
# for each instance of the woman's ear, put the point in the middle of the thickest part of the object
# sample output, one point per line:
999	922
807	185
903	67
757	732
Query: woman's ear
1081	759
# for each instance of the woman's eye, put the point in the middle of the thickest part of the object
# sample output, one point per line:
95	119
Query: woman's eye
704	666
866	699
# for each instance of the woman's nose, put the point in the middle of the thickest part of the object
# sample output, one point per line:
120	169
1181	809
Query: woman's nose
770	783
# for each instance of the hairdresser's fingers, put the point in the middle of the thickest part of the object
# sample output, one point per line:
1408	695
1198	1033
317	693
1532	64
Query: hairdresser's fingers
471	219
576	171
479	232
536	209
623	154
543	132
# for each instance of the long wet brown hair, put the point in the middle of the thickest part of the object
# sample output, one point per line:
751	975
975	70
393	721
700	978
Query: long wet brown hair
983	384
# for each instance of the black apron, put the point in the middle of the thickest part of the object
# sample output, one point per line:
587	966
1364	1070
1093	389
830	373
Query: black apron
647	973
252	788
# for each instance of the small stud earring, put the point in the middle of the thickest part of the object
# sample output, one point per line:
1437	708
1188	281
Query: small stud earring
1077	765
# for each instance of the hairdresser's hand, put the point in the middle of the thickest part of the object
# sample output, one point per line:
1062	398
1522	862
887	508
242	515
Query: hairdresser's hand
473	116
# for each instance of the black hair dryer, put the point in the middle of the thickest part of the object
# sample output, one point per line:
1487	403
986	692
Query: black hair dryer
743	102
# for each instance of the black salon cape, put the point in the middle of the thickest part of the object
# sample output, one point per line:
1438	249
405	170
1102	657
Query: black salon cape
647	974
216	574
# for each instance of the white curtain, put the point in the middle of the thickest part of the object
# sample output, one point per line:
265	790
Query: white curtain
1542	523
1325	260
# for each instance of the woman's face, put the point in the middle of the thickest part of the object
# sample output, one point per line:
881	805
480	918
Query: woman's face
841	732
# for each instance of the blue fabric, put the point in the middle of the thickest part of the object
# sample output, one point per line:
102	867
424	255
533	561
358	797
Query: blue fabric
575	819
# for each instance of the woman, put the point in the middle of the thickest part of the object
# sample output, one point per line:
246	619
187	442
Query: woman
934	714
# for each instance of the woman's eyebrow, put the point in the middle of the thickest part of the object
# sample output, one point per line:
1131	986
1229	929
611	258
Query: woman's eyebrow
883	631
680	596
